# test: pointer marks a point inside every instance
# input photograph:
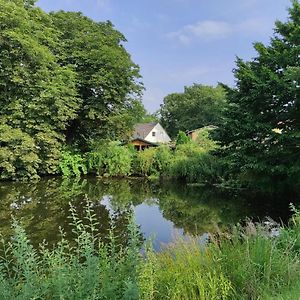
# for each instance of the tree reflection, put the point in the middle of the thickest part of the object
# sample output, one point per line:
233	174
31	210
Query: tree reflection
43	207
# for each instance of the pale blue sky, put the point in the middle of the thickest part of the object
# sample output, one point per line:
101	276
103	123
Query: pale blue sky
181	42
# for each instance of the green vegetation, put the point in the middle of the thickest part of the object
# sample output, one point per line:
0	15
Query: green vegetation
110	159
261	135
198	106
190	160
245	264
71	95
65	82
85	268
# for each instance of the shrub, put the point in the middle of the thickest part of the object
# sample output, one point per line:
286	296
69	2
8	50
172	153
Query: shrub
182	138
145	162
194	164
163	159
110	159
72	164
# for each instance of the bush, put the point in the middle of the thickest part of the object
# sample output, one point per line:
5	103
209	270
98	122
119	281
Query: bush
194	164
144	163
182	138
72	164
110	159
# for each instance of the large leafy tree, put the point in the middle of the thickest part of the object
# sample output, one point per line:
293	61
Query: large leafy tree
37	95
63	78
262	134
197	106
107	79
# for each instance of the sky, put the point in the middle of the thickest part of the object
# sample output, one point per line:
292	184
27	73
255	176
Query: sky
180	42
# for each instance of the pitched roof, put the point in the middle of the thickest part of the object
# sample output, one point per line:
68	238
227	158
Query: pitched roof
141	130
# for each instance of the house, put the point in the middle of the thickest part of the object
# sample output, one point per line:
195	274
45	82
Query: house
193	134
147	135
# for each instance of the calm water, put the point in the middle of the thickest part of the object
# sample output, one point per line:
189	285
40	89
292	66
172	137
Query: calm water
162	210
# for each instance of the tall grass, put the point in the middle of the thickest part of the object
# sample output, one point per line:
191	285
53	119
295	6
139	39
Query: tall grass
246	263
185	271
84	268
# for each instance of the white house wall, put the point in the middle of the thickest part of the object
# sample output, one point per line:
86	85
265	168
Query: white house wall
160	135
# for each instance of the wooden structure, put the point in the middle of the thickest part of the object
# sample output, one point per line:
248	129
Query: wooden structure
141	144
192	134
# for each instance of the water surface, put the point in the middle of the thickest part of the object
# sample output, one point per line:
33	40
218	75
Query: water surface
162	210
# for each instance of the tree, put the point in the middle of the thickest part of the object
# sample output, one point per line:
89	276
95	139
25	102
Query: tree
63	79
197	106
261	134
37	95
107	79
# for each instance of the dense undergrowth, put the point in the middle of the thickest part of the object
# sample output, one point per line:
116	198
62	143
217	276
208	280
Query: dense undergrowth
190	160
245	264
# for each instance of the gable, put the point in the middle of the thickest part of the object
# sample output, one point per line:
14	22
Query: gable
142	130
158	135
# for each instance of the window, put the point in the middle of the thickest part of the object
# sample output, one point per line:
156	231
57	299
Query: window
153	133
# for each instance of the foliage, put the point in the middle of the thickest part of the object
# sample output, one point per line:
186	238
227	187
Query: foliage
64	79
197	106
38	95
72	164
261	135
204	139
182	138
18	154
194	164
107	79
144	163
246	263
163	159
110	159
87	268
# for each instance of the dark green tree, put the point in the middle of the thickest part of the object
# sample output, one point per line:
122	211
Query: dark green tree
262	134
197	106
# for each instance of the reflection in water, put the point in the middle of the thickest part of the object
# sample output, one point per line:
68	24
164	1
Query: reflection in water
161	209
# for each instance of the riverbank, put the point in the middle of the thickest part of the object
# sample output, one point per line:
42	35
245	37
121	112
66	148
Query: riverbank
241	264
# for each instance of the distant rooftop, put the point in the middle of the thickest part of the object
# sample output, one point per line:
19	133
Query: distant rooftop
141	130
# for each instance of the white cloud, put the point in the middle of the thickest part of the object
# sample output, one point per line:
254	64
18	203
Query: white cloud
211	29
214	30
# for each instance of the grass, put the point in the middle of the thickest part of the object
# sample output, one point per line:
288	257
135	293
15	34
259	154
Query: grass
244	264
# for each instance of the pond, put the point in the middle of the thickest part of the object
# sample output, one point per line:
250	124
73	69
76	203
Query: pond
161	209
